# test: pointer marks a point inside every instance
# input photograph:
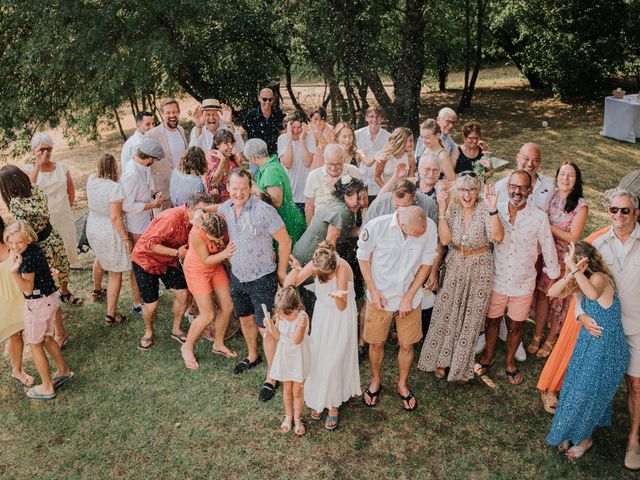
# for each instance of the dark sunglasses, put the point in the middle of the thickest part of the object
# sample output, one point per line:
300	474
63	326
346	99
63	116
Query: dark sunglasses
468	173
623	210
267	99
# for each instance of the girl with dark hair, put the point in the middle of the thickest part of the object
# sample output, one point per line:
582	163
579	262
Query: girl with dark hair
567	213
334	377
220	162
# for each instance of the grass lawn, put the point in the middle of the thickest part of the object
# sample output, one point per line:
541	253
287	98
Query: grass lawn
132	414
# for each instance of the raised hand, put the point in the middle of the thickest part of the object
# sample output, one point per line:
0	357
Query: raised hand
400	171
569	258
484	147
289	129
15	263
339	293
198	117
227	114
490	197
442	194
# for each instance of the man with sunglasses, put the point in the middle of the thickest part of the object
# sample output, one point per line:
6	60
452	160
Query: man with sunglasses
264	121
620	250
526	231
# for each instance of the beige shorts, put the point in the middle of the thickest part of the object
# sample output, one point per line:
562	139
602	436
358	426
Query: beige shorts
633	342
377	324
517	307
39	318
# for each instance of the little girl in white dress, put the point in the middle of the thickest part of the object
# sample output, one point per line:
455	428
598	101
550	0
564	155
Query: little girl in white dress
292	360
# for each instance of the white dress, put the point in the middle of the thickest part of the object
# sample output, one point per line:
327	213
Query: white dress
335	373
291	362
390	166
105	241
54	184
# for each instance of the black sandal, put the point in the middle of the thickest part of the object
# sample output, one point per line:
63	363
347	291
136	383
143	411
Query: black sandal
407	399
511	376
246	364
481	369
372	396
70	298
116	319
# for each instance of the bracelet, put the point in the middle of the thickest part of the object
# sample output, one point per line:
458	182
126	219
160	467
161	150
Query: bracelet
441	217
495	212
574	272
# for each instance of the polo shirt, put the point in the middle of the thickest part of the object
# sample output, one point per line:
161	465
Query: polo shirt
267	128
273	174
395	260
317	188
252	230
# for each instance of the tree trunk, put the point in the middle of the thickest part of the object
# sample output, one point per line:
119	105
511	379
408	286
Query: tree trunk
443	70
467	94
122	134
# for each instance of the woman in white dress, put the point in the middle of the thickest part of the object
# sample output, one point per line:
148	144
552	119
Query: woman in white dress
106	230
432	148
398	149
335	373
55	180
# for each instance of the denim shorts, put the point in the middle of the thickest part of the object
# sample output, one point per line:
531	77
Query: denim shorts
248	297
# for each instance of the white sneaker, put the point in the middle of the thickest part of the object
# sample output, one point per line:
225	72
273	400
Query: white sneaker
481	344
521	355
503	330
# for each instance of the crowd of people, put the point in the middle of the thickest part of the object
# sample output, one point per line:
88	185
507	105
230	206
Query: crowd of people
326	243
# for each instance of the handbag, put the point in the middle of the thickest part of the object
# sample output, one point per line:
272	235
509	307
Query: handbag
81	233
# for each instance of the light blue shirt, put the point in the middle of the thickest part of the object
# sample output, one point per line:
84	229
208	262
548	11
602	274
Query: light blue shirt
182	186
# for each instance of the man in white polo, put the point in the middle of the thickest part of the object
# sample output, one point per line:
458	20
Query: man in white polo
395	253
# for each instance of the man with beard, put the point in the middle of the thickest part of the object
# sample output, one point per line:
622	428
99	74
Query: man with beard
208	117
174	142
144	123
526	229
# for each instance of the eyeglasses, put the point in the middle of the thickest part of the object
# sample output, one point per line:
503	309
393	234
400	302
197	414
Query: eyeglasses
267	99
334	165
468	173
520	188
623	210
468	190
44	149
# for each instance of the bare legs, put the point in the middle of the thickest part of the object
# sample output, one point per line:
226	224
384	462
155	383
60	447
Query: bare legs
150	310
15	348
113	292
633	403
42	364
405	360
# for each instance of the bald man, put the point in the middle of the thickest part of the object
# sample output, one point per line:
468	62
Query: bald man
395	253
529	159
264	121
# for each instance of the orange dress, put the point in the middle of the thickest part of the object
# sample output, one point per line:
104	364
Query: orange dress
553	372
202	279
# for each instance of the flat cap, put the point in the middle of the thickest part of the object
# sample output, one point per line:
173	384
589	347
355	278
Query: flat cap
151	148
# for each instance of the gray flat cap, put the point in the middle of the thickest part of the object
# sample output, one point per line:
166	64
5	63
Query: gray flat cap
151	148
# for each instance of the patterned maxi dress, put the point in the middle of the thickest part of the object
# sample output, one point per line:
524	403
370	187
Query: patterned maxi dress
596	369
35	212
462	302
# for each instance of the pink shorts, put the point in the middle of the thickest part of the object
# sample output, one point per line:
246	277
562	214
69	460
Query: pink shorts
517	307
39	318
203	283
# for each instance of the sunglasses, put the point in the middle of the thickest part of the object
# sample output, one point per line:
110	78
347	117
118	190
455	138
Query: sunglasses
623	210
267	99
468	173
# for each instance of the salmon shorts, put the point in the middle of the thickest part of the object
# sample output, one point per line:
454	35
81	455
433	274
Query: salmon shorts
517	307
204	283
39	318
377	324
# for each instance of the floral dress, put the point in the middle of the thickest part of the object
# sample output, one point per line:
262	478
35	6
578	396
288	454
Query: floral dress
218	191
35	212
560	219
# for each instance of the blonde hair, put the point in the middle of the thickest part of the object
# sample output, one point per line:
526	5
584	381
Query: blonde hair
214	224
396	143
287	300
337	130
433	126
596	265
466	181
325	261
20	226
107	167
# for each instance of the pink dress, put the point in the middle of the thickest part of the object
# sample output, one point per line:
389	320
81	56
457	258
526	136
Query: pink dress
560	219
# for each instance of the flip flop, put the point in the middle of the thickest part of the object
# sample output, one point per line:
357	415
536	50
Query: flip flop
246	364
407	399
481	369
34	394
331	418
60	380
26	381
316	415
230	354
578	451
116	319
189	361
512	376
373	397
145	343
181	338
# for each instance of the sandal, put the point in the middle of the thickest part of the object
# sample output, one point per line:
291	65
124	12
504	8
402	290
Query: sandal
578	451
481	369
534	346
60	380
407	398
285	426
179	337
70	298
512	376
189	359
97	294
549	402
547	348
228	354
145	343
373	397
116	319
24	378
34	394
299	427
331	422
315	415
564	446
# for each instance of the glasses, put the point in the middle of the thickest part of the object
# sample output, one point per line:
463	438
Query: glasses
468	173
44	149
334	165
520	188
623	210
267	99
468	190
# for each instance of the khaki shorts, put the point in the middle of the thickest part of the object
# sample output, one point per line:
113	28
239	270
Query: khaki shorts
377	323
633	342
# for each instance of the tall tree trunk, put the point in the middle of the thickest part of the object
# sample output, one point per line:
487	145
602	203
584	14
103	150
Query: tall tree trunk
122	134
467	94
443	70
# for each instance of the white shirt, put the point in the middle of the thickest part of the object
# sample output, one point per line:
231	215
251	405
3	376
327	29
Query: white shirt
394	258
136	190
514	259
541	196
129	148
370	148
176	145
205	140
298	172
316	185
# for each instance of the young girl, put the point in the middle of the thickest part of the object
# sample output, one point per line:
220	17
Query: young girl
598	363
205	273
398	149
431	146
11	320
292	360
335	374
30	271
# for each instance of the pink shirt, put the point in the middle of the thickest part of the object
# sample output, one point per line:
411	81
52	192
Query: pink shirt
515	257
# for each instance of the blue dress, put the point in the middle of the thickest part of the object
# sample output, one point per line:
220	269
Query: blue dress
595	371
